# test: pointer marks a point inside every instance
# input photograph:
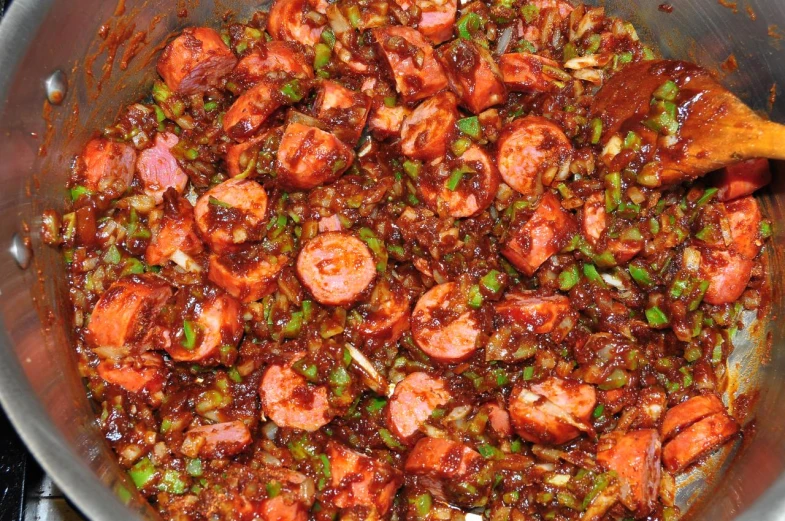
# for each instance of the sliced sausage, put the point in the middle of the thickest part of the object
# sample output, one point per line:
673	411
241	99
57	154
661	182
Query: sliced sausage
106	166
544	234
283	508
563	8
539	314
442	459
742	179
728	274
404	48
239	156
344	110
413	401
635	457
473	74
246	275
177	232
309	157
426	132
530	150
272	57
523	72
336	268
436	19
385	318
290	401
744	218
125	312
250	110
221	440
386	121
444	339
218	322
358	480
686	413
287	22
474	192
136	373
499	419
330	224
594	223
158	169
553	411
195	61
232	213
698	439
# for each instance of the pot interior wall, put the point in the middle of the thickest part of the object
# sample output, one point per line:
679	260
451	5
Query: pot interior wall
39	386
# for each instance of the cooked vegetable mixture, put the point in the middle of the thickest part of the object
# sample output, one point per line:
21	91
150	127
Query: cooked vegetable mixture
378	259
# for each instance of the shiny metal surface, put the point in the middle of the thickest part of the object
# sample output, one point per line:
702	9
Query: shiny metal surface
39	385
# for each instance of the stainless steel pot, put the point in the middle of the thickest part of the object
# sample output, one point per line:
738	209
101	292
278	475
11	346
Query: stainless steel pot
39	386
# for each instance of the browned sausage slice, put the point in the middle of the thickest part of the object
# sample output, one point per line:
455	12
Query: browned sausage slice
158	169
563	8
309	157
441	459
287	21
594	223
744	218
475	190
250	110
105	166
698	439
272	57
426	132
219	322
246	277
553	411
544	234
539	314
635	457
413	401
283	508
436	18
385	317
336	268
195	61
444	340
386	121
523	72
404	48
686	413
221	440
530	150
232	213
344	110
177	232
728	274
357	480
125	312
144	372
473	74
499	419
290	401
742	179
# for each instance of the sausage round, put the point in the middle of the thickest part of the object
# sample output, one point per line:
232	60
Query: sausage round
287	22
426	132
289	401
698	439
195	61
473	74
106	166
309	157
221	440
413	401
741	179
475	190
539	314
248	278
336	268
688	412
159	170
125	312
250	110
137	373
232	213
177	232
357	480
523	72
635	457
219	322
272	57
527	149
452	341
441	459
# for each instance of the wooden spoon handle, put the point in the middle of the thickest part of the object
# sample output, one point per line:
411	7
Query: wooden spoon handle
769	142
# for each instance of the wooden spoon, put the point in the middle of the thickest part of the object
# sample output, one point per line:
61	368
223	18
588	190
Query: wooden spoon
716	128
